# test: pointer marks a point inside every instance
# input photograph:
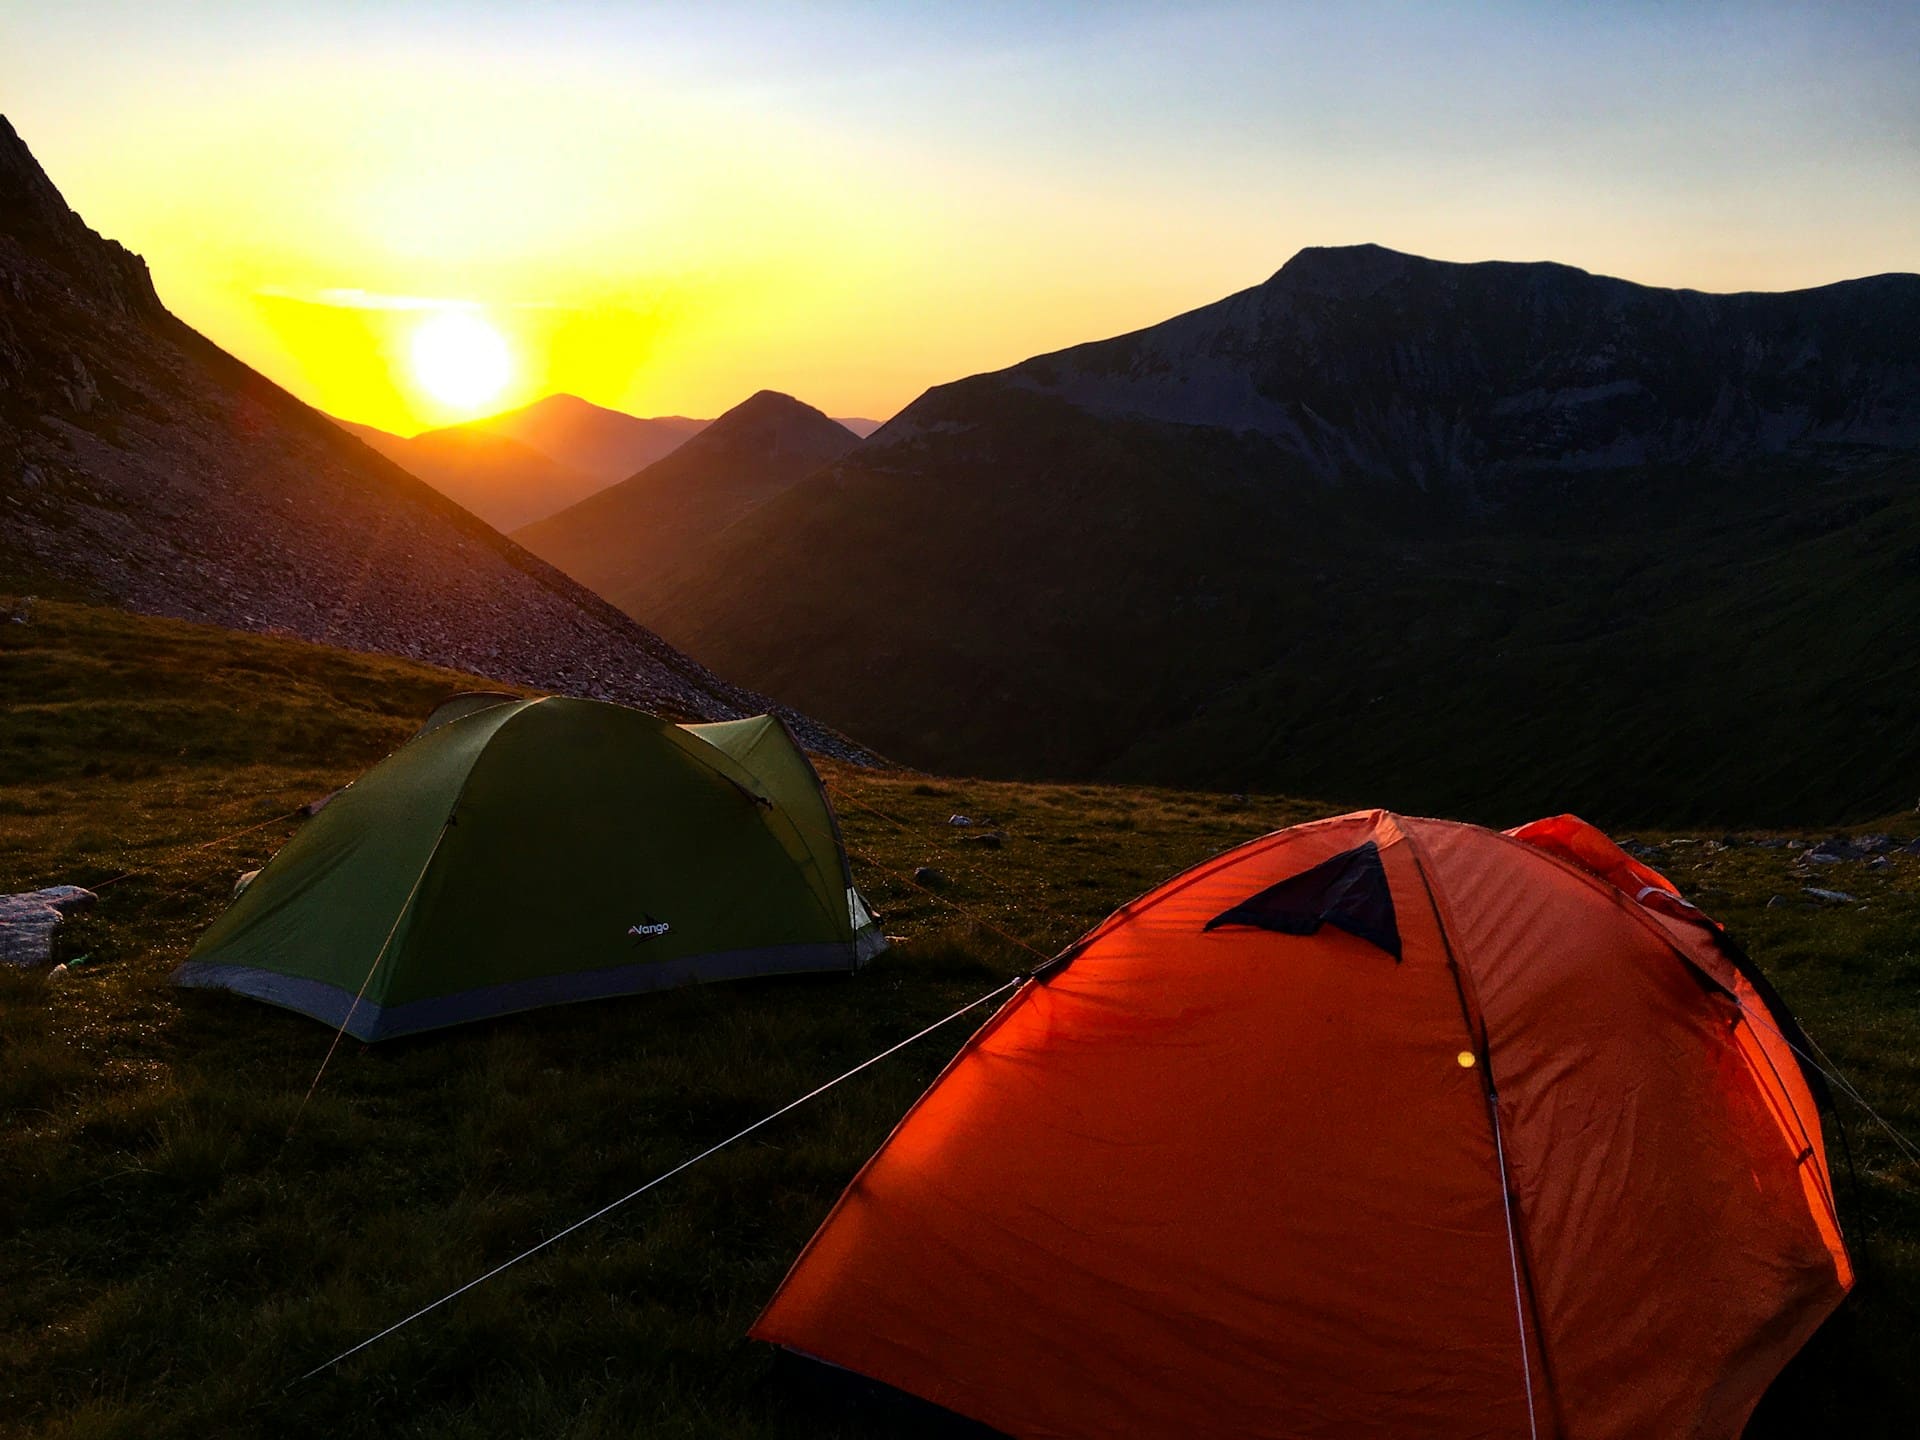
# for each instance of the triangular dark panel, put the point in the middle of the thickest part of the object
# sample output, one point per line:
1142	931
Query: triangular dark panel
1348	891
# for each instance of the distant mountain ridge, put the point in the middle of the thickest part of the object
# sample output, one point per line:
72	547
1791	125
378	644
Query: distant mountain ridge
608	445
505	483
145	465
523	465
629	540
1456	538
1364	361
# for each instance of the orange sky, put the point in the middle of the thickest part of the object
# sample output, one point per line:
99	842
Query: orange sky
666	208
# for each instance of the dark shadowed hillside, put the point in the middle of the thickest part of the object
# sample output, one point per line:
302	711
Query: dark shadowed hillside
144	465
628	541
1480	539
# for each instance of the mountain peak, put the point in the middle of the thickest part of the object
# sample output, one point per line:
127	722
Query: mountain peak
606	444
1334	270
777	424
36	217
1330	269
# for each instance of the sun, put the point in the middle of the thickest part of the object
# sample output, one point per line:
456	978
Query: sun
460	359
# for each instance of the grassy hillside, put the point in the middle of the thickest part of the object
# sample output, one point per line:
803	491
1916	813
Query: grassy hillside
179	1237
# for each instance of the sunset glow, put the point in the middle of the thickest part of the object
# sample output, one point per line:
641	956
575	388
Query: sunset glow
664	209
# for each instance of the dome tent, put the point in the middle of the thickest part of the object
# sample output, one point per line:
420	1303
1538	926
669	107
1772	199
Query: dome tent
518	853
1374	1126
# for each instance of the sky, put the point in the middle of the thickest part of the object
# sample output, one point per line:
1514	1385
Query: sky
664	208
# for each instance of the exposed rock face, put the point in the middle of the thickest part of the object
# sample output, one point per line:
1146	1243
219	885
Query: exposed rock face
1361	361
147	466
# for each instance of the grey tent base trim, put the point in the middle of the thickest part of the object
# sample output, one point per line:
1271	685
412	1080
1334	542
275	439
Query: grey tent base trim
334	1006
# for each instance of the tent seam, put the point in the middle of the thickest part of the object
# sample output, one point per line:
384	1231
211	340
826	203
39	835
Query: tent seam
1475	1019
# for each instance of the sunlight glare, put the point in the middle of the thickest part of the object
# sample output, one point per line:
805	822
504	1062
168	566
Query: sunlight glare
460	359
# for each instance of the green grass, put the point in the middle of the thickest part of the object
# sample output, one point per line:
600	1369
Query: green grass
171	1258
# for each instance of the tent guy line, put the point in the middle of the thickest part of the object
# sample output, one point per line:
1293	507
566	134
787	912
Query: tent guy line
1834	1075
385	945
663	1177
189	848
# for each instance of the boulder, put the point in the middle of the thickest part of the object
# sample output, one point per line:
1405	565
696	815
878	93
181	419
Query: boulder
28	920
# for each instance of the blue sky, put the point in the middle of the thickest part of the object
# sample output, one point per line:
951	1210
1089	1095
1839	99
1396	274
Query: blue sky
954	187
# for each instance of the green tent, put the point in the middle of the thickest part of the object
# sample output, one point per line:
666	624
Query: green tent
518	853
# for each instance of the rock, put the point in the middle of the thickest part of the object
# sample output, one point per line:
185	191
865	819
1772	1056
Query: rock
1776	900
929	878
240	885
959	820
988	840
27	922
1832	897
1873	844
314	807
1823	856
1912	847
1879	862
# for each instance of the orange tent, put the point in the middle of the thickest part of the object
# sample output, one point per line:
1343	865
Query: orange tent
1374	1126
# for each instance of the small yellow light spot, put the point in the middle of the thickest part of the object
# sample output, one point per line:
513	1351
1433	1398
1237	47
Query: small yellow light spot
1465	1057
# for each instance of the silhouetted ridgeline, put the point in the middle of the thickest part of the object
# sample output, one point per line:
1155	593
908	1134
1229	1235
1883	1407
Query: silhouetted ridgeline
1479	539
145	465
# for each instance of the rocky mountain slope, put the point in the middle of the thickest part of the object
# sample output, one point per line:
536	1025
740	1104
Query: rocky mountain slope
507	484
1361	361
1482	539
629	541
144	465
